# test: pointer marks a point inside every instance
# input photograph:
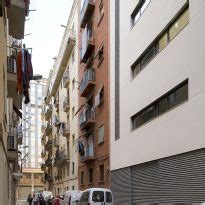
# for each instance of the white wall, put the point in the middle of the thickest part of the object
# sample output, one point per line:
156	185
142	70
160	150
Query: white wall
182	128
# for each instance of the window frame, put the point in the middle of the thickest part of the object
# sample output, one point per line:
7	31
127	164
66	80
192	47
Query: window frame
101	179
155	104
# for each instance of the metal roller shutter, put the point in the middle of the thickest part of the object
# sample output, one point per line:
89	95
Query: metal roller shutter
121	186
178	179
144	184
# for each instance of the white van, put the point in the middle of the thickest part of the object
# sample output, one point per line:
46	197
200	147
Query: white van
71	197
96	196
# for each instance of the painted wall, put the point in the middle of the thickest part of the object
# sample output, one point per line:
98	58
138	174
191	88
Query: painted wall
181	129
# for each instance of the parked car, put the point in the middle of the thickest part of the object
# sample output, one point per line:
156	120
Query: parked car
71	197
96	196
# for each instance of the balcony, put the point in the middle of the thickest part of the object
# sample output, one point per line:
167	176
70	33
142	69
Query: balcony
48	112
87	44
16	43
56	121
66	79
87	117
87	83
87	154
65	129
48	129
17	10
65	51
48	162
43	154
12	144
48	145
87	8
60	158
66	105
43	167
12	80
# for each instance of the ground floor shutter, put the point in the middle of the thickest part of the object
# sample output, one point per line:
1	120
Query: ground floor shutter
172	180
24	192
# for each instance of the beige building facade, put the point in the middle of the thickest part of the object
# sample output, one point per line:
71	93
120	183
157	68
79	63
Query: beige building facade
12	19
61	102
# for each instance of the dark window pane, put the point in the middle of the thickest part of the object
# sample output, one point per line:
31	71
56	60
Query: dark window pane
85	197
90	175
135	70
82	178
162	106
102	172
179	96
148	115
108	197
148	56
98	196
136	122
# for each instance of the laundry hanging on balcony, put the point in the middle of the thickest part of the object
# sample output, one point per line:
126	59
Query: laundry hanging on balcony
81	148
24	73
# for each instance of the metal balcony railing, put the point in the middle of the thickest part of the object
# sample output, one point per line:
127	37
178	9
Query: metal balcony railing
87	44
66	79
48	129
48	145
88	153
11	65
87	82
87	117
60	158
48	112
66	105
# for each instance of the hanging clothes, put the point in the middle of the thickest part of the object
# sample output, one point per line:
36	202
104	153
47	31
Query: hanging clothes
81	149
24	73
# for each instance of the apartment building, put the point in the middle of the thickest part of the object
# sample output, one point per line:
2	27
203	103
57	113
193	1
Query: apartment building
31	147
93	110
61	101
157	90
12	19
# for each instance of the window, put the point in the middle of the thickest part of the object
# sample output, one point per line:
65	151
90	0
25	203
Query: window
101	134
160	43
37	176
100	54
73	187
73	112
82	177
85	196
73	83
73	168
90	179
99	98
179	24
137	13
101	12
108	197
73	139
170	100
101	167
27	175
98	196
73	56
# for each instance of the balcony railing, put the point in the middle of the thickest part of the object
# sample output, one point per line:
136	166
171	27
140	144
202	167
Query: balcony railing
43	167
66	105
16	43
87	117
11	65
12	144
48	112
48	129
66	79
65	129
87	44
60	158
87	8
87	82
48	145
88	153
48	162
56	121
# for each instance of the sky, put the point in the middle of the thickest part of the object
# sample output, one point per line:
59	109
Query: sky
44	24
